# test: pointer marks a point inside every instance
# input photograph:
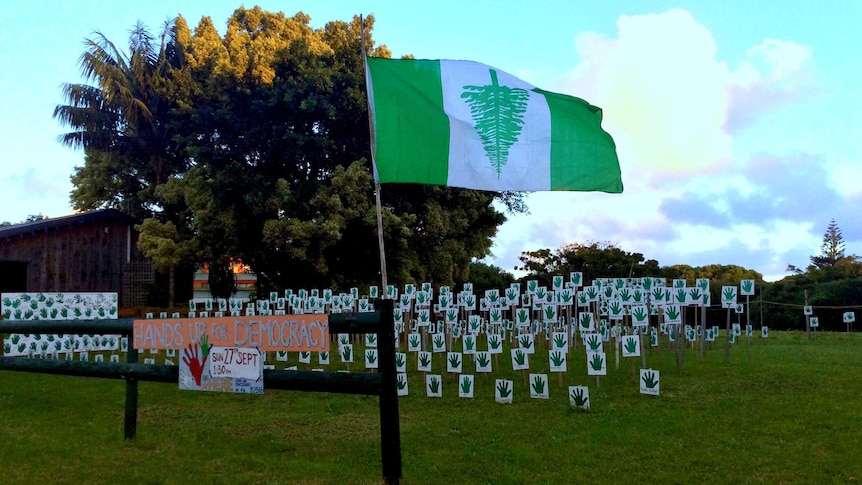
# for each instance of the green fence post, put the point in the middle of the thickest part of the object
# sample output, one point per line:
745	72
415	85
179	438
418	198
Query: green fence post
131	421
390	433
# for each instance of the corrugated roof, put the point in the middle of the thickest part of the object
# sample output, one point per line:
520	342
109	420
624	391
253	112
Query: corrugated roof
109	215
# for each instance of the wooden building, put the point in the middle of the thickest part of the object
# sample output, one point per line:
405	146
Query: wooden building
88	252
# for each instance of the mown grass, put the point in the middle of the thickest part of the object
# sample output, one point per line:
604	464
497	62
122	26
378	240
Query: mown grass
782	410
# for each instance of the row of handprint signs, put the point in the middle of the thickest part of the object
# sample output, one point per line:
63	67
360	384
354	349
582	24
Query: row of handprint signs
814	322
562	292
57	306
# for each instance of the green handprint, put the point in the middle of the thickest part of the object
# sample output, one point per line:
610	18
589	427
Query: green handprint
482	359
469	343
414	341
305	355
7	347
346	353
559	341
494	342
434	385
640	314
520	357
370	338
525	342
658	293
438	341
399	360
593	293
532	284
594	342
424	360
631	345
371	356
550	312
747	285
454	361
401	382
671	313
597	362
586	319
579	398
466	384
538	385
729	293
205	347
557	359
649	380
503	389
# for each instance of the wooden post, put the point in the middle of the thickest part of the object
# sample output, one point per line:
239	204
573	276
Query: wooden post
130	427
390	433
727	340
702	330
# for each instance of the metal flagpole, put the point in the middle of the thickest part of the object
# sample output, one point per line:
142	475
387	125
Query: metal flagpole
383	278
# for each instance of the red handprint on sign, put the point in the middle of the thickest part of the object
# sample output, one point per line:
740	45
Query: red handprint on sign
196	358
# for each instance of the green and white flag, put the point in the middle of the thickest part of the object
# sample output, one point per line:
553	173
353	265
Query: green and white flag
465	124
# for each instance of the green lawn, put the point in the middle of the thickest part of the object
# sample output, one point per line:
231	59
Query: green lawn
782	410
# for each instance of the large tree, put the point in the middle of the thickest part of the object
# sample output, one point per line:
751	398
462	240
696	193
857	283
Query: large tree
832	249
118	117
273	121
595	260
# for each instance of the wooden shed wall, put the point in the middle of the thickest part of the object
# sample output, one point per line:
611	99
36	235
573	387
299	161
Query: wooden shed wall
89	256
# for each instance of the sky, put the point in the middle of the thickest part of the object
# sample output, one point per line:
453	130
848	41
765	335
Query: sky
738	124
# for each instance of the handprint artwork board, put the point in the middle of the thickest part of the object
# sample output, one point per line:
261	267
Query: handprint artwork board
201	365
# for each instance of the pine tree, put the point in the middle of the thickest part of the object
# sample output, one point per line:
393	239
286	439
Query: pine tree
832	249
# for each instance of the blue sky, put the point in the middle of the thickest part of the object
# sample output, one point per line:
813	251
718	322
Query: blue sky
737	122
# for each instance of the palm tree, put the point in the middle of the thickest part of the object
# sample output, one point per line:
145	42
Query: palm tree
120	122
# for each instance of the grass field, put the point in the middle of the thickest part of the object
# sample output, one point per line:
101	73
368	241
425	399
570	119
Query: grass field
782	410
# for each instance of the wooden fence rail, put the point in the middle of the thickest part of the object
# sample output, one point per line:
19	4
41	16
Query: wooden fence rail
382	384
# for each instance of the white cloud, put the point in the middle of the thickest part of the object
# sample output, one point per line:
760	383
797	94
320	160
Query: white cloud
772	74
663	92
673	108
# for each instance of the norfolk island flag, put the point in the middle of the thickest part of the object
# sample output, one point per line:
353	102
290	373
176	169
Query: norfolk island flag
465	124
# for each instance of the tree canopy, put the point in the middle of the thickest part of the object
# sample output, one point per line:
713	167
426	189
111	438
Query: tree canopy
254	145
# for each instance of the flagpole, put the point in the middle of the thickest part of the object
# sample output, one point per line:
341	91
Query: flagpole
383	278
